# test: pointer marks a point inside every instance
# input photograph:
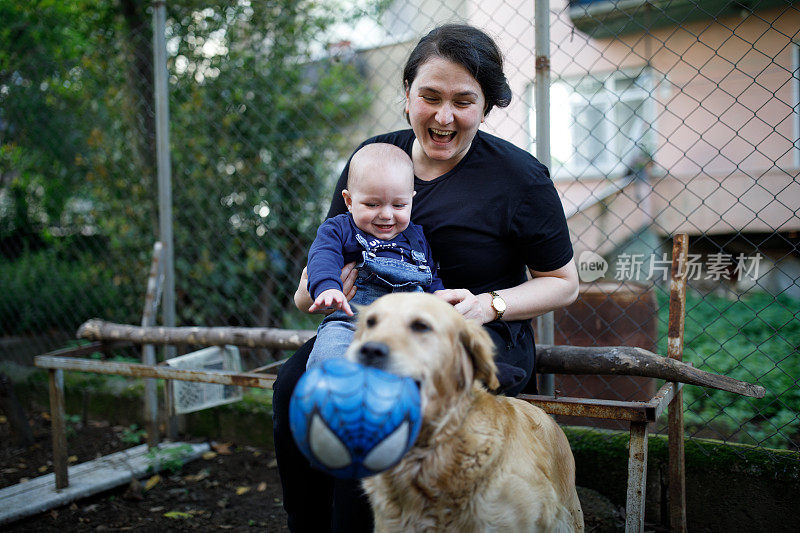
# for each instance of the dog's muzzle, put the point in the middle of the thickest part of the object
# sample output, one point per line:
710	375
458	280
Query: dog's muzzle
374	354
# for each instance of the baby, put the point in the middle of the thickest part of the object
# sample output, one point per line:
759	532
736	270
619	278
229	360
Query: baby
391	252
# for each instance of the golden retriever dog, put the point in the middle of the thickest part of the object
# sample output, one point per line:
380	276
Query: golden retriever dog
482	462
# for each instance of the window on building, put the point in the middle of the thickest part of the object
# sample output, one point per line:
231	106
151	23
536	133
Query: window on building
600	125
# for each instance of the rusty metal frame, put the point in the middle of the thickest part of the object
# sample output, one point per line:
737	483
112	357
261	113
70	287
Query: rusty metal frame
646	412
640	415
58	362
138	370
675	437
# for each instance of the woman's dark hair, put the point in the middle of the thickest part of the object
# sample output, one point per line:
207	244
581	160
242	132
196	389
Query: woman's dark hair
472	49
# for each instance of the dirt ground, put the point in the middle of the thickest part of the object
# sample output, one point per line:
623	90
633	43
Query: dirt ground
232	488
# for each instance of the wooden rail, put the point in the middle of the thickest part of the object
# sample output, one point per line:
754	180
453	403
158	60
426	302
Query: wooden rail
558	359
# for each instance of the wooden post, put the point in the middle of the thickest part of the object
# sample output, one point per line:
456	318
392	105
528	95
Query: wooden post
677	317
637	478
58	428
151	299
169	409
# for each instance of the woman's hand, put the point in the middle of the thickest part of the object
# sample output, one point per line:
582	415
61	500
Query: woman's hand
348	277
302	298
471	307
545	291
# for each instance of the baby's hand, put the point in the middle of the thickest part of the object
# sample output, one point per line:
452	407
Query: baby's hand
331	298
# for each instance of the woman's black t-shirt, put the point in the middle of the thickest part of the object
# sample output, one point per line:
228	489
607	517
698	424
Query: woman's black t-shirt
492	215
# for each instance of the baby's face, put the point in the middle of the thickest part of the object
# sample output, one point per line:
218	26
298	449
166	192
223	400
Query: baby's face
381	203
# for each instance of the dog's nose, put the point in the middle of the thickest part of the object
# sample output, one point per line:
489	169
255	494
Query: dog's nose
373	354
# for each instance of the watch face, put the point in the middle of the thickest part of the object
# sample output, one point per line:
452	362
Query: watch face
499	304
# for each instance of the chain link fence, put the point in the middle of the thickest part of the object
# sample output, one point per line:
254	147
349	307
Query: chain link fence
683	117
665	117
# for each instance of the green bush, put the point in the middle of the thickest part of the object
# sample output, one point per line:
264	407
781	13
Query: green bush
47	289
754	338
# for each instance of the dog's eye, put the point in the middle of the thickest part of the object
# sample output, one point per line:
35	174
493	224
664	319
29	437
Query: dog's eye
419	326
371	321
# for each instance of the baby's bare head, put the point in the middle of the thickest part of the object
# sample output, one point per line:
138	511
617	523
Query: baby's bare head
377	159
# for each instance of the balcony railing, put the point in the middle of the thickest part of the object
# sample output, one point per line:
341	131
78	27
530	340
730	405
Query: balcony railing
607	18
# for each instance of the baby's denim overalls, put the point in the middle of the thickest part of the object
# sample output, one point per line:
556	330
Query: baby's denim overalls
376	276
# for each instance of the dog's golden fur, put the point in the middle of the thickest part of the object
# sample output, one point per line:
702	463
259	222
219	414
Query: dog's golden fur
482	462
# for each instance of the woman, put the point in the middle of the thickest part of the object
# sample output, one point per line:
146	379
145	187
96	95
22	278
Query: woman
489	211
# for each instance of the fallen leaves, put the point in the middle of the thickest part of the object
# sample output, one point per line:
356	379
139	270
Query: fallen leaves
222	448
200	476
152	482
242	490
184	515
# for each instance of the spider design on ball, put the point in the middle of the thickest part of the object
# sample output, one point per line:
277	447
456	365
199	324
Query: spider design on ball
354	421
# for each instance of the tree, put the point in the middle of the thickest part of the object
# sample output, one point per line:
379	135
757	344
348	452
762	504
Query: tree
43	115
256	107
255	128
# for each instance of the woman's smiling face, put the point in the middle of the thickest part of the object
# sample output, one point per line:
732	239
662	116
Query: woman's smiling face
445	106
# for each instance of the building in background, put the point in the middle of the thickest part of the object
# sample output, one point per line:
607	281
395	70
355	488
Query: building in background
665	117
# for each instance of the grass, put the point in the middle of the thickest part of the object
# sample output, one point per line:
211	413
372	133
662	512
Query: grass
754	338
169	459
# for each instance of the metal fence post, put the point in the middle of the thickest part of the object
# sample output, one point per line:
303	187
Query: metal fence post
544	323
677	314
637	478
164	162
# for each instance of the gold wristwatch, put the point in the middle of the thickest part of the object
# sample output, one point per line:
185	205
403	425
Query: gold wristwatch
498	304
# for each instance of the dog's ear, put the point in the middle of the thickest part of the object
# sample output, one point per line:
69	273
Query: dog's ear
480	348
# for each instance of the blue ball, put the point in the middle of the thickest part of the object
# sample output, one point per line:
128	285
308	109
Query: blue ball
354	421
